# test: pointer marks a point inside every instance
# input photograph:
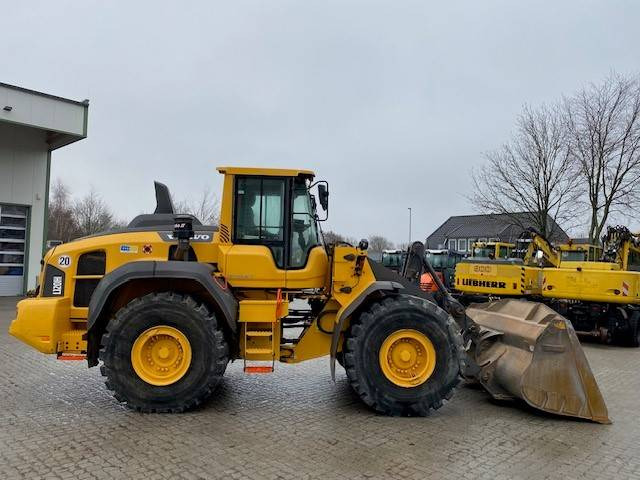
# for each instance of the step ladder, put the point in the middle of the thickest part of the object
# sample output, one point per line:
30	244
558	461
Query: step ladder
259	347
260	330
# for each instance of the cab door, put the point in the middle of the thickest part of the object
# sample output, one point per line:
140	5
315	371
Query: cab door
307	260
257	257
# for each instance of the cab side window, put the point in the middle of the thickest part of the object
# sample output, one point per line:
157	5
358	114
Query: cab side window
634	261
259	214
304	234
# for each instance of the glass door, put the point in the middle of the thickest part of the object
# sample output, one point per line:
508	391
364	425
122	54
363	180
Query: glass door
13	242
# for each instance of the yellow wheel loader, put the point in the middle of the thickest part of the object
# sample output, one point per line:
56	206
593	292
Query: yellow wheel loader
166	303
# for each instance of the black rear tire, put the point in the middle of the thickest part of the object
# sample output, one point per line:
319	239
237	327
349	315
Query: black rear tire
367	334
209	352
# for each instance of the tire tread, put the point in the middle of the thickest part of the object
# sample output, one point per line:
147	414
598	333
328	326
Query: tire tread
379	400
216	367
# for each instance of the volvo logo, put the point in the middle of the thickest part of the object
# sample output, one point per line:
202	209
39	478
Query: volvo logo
197	237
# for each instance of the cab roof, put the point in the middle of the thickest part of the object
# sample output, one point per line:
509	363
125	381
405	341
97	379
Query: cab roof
268	172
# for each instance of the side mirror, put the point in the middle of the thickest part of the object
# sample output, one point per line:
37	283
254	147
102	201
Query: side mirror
323	196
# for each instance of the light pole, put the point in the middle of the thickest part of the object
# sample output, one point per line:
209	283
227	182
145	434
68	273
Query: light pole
409	225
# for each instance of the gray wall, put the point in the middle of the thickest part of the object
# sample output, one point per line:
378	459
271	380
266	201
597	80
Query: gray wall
23	181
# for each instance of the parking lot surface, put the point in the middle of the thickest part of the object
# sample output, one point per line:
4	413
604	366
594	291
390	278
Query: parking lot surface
58	421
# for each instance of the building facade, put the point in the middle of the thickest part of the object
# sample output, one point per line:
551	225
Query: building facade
32	126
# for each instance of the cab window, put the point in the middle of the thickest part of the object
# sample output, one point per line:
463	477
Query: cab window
259	214
482	252
573	255
392	259
304	233
634	261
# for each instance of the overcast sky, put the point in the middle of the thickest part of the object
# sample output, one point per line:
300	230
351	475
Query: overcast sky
392	102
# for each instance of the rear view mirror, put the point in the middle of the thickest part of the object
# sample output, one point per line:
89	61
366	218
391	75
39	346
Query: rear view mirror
323	196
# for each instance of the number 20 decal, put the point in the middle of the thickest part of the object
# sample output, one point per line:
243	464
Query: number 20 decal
64	261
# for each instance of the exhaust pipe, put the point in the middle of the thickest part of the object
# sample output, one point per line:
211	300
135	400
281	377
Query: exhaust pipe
528	351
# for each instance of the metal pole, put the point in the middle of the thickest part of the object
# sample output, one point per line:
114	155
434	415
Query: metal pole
409	225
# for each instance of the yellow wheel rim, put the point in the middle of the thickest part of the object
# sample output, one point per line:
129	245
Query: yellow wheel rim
161	355
407	358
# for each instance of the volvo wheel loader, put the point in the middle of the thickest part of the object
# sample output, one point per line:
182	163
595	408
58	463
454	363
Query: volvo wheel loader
166	303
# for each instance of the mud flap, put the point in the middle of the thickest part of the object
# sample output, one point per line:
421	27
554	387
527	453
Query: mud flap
528	351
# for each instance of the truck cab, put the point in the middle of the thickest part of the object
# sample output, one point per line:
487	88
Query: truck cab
393	259
444	262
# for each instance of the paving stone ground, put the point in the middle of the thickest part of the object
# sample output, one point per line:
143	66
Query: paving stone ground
57	420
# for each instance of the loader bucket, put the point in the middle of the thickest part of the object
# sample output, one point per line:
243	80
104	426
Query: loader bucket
528	351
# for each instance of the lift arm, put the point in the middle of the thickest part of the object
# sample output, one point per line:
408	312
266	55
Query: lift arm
539	243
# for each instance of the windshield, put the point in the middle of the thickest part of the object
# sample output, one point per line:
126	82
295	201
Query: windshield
574	255
436	260
304	231
483	252
392	259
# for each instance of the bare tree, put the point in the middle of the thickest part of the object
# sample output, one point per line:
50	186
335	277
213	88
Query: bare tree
205	208
530	178
92	214
332	237
404	246
378	243
62	224
604	132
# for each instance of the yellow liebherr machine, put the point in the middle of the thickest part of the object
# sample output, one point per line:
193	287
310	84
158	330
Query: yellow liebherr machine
166	303
507	277
601	298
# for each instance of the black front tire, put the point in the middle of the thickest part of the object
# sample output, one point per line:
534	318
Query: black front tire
361	356
210	352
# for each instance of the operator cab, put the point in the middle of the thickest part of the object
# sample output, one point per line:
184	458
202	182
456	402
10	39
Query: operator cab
492	250
271	214
571	252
